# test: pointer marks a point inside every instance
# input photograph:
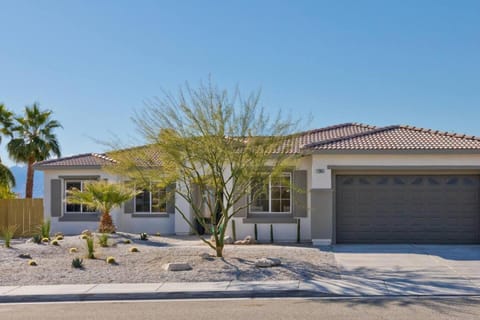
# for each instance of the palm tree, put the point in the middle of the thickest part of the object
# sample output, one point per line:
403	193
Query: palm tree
33	140
7	180
102	196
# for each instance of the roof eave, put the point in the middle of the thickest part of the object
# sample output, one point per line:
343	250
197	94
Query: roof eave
393	151
66	167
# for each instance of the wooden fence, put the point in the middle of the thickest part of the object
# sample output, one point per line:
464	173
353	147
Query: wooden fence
25	214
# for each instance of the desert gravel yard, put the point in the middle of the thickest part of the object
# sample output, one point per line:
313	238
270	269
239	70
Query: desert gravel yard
298	262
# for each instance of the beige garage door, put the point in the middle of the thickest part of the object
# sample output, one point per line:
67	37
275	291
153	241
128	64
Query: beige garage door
407	208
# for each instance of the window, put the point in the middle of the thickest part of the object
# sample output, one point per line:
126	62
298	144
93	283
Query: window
272	195
151	201
76	208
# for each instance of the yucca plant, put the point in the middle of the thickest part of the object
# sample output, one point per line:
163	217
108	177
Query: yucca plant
103	240
90	248
7	235
45	229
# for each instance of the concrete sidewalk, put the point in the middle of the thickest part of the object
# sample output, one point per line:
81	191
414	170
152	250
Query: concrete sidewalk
346	287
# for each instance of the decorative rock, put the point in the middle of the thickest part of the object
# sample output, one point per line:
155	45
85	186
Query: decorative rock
267	262
25	256
228	240
177	266
247	240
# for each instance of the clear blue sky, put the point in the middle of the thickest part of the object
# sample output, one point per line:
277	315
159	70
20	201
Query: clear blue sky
378	62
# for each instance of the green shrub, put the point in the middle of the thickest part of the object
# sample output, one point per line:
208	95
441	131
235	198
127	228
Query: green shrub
7	235
133	249
127	241
103	240
157	234
32	263
54	242
73	250
77	263
143	236
84	237
110	260
37	238
45	229
90	248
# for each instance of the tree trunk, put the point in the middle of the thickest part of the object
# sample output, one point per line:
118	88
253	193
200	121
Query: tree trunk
219	249
29	185
106	223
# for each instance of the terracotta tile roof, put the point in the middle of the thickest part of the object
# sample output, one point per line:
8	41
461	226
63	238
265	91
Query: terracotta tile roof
333	132
87	160
399	138
347	136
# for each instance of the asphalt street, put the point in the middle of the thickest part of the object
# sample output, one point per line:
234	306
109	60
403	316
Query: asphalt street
241	309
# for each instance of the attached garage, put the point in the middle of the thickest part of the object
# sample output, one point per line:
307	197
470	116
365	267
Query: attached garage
388	208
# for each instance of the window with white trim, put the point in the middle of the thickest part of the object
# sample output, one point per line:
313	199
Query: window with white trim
151	201
76	208
272	195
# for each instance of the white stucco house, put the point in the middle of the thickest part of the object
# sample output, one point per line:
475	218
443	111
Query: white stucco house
363	184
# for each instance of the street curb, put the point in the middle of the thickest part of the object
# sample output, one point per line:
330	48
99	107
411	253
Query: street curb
164	296
186	295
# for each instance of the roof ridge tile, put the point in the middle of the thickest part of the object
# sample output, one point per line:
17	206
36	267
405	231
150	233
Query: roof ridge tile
352	136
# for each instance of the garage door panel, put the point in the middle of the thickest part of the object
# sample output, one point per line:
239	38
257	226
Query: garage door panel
407	209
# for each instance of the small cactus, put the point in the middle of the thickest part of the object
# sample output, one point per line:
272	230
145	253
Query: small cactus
110	260
45	240
59	238
127	241
32	263
84	237
73	250
133	249
54	242
143	236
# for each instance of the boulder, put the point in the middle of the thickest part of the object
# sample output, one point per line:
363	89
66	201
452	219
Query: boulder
228	240
205	255
267	262
25	256
177	266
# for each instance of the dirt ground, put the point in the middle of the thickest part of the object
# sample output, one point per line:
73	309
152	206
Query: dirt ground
299	262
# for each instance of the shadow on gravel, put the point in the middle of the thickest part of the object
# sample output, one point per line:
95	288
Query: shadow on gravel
458	307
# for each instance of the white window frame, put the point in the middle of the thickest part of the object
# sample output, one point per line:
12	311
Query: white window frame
81	181
283	175
150	202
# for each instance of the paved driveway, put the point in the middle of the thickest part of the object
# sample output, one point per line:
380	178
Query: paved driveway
412	269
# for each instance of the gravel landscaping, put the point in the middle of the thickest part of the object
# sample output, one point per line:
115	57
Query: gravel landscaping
298	262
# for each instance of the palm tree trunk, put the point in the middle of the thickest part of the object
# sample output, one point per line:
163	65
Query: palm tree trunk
29	185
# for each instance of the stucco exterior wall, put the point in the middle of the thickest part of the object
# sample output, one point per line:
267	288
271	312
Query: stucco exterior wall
124	222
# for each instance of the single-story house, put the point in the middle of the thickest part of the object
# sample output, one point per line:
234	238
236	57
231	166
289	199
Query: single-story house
364	184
